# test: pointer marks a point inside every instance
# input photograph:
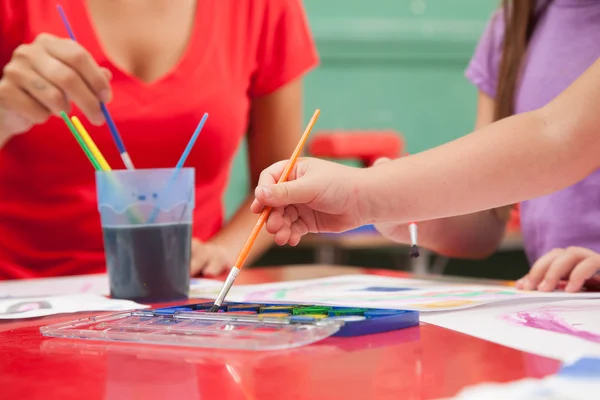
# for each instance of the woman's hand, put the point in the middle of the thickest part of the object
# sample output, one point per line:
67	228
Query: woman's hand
319	196
210	259
43	77
580	266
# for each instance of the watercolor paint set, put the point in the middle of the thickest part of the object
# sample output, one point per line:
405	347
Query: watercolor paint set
240	326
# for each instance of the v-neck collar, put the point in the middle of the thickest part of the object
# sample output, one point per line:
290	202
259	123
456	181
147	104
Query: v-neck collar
86	33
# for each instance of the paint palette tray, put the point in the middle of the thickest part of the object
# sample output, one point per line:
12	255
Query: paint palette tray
241	326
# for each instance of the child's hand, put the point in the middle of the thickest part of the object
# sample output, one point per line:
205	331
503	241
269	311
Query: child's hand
577	264
319	196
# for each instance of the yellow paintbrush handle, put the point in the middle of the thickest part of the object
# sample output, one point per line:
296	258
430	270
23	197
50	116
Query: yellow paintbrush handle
90	143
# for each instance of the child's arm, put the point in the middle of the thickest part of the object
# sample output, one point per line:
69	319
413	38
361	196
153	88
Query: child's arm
474	235
518	158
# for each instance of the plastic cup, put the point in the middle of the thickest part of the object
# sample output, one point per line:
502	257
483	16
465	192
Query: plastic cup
146	217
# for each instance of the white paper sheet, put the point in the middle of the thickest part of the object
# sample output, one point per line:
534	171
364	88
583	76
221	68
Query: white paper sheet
553	388
384	292
97	284
566	330
580	381
29	307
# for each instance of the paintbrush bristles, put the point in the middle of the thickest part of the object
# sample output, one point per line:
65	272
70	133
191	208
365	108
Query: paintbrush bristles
213	309
414	251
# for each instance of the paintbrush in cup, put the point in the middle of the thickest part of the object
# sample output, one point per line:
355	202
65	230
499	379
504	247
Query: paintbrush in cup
109	121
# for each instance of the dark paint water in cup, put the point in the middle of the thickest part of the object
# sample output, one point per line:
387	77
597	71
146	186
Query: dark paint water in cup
146	217
148	263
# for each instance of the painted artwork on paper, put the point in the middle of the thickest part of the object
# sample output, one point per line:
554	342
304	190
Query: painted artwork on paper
568	318
395	296
383	292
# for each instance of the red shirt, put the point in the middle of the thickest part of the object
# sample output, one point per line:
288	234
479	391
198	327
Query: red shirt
49	223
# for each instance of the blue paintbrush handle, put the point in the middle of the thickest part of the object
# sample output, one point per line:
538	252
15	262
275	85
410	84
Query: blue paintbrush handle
116	137
179	165
192	141
63	16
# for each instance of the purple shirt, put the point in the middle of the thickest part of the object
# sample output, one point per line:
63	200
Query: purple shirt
565	43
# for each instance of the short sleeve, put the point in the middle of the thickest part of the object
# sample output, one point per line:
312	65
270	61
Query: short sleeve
483	68
286	49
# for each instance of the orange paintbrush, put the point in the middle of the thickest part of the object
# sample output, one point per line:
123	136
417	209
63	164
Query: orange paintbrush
239	263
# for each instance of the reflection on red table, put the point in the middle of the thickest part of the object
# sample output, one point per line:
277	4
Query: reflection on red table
423	362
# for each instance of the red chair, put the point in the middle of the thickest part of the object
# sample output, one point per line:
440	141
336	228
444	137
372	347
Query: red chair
514	223
365	146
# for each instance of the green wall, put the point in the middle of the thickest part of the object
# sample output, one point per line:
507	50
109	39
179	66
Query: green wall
395	64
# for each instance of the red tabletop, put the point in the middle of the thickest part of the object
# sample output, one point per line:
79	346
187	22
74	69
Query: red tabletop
424	362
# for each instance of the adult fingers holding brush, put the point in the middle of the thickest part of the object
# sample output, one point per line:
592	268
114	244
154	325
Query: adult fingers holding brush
43	77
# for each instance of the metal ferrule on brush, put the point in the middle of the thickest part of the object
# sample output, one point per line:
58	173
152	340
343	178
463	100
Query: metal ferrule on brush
127	160
227	285
412	230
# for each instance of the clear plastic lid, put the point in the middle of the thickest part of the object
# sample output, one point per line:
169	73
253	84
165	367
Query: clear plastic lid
209	330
